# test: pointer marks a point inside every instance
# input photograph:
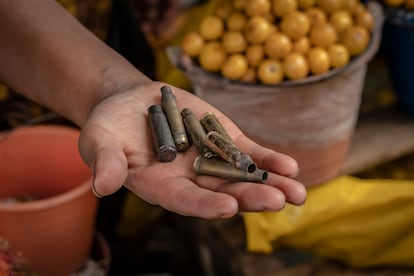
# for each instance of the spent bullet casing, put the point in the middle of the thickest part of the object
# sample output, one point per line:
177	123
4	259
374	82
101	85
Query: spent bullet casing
169	105
229	151
196	132
163	140
223	169
210	123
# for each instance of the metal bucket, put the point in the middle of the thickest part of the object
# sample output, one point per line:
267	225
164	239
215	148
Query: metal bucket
398	46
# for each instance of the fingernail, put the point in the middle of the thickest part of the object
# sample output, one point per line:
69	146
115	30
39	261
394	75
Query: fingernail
95	192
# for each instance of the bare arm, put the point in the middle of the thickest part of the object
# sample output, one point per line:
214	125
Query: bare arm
49	57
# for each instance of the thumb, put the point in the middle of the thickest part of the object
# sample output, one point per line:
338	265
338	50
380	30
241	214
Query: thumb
106	159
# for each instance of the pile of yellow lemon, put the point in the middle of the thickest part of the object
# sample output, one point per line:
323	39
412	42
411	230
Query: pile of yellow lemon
269	41
407	4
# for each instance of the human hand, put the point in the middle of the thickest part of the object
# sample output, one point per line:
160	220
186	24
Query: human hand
116	143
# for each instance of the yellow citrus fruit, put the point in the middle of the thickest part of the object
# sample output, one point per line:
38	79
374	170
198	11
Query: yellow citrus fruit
365	19
223	9
318	60
278	45
394	3
239	4
257	29
283	7
295	25
316	16
236	21
192	44
341	20
301	46
249	76
212	56
295	66
211	27
254	55
233	42
234	67
338	55
257	7
323	35
330	6
270	71
351	4
356	40
306	4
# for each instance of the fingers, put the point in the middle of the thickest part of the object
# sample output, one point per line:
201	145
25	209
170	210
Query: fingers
110	172
106	159
182	196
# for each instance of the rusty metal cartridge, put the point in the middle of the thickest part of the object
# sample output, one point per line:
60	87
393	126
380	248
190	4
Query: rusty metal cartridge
229	151
169	105
196	132
223	169
210	123
163	140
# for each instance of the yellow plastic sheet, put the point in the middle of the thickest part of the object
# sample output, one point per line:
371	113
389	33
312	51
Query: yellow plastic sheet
360	222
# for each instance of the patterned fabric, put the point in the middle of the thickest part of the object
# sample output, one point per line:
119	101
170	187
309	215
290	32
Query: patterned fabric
16	110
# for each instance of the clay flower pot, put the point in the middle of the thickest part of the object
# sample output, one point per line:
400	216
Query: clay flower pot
53	230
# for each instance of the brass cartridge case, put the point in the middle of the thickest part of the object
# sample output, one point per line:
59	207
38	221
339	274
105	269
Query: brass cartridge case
229	151
196	132
223	169
169	105
160	130
210	123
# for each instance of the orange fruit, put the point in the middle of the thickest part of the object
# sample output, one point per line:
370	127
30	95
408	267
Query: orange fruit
295	25
211	27
306	4
249	76
316	16
341	20
356	40
278	45
239	4
318	60
394	3
192	44
270	71
254	55
236	21
223	9
233	42
257	29
330	6
283	7
234	67
351	4
365	19
295	66
257	7
338	55
212	56
301	46
323	35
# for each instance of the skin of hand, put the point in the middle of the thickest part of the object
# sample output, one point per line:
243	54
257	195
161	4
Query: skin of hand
49	57
117	144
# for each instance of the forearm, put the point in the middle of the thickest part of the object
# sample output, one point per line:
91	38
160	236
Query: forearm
49	57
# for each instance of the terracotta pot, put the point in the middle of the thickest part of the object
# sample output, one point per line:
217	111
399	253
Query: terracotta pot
55	230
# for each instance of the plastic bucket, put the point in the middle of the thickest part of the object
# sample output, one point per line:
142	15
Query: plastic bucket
398	47
311	120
